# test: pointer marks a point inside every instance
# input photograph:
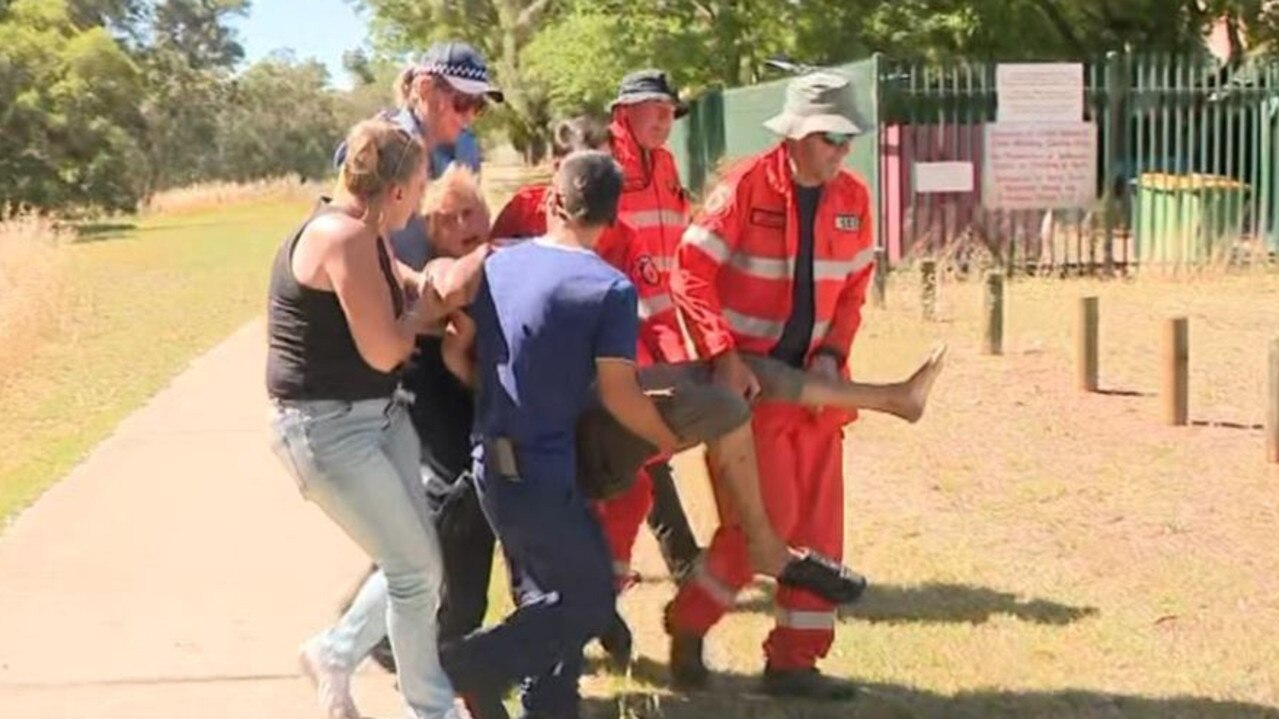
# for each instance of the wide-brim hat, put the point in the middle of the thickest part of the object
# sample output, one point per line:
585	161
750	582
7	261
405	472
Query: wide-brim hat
645	85
462	67
817	102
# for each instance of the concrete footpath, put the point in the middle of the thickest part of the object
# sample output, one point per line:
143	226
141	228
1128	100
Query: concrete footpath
175	571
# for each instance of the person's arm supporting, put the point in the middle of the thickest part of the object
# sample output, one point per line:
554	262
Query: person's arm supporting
382	340
458	348
619	387
457	280
707	244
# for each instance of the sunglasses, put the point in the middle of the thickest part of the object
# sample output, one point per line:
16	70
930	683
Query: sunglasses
463	103
837	139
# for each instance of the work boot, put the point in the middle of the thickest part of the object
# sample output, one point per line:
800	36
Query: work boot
485	706
688	671
618	643
824	577
806	684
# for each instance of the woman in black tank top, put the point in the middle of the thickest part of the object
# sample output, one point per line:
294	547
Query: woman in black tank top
342	319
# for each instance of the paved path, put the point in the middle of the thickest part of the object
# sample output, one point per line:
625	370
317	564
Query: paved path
174	572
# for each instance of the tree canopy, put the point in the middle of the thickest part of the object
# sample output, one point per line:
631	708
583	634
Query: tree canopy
103	102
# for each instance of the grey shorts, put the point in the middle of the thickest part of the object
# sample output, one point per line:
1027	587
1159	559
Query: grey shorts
697	410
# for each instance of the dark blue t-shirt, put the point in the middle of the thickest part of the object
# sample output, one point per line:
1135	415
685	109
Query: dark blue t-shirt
544	314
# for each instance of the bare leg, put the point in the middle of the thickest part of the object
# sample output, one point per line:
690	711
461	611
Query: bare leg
733	458
902	399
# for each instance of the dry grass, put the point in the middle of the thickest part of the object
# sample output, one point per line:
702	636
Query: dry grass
32	289
138	302
1035	551
212	195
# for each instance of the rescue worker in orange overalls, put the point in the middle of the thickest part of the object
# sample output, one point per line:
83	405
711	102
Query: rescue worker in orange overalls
656	207
777	263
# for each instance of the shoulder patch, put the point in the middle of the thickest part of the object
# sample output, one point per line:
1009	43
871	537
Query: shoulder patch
646	270
768	218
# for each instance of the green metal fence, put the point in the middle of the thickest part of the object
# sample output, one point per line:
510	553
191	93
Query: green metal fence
726	125
1185	161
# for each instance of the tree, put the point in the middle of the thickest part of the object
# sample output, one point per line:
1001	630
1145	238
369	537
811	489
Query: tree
187	65
281	119
68	126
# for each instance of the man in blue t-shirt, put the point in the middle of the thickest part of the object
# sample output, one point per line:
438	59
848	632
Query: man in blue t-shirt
553	324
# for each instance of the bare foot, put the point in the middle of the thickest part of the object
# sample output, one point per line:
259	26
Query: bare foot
920	384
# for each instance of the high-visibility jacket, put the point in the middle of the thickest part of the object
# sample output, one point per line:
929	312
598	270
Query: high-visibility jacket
524	216
654	203
736	264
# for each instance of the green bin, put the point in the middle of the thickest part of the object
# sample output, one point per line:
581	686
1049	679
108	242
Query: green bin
1187	219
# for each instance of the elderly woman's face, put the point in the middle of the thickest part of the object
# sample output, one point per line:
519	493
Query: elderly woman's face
459	224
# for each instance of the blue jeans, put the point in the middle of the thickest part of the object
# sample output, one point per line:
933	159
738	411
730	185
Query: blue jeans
467	544
358	461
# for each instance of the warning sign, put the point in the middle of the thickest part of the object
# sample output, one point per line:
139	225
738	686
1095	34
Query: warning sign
1040	166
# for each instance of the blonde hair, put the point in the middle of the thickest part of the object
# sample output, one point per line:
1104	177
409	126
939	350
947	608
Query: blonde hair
456	180
402	88
379	154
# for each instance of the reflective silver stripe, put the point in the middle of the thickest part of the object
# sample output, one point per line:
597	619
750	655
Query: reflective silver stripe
753	326
832	269
649	306
720	593
815	621
707	241
663	264
841	269
820	328
766	268
863	259
655	218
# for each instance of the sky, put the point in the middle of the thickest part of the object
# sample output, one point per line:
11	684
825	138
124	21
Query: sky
320	29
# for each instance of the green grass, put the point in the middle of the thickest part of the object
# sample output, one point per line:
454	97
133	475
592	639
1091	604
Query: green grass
1033	551
141	300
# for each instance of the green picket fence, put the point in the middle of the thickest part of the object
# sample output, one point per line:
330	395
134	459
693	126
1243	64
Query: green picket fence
1185	161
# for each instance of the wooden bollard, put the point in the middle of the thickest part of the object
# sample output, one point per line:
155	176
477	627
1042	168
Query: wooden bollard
879	292
1176	371
994	334
1087	343
1272	405
928	268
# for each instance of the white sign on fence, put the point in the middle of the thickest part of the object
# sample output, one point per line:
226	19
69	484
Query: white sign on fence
1040	92
1040	166
931	177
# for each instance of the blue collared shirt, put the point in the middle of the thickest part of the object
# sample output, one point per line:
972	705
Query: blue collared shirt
410	243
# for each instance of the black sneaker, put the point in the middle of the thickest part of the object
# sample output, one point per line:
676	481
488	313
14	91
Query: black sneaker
618	643
806	684
824	577
688	671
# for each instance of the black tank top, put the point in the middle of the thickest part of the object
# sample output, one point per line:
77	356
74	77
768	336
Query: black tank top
311	353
